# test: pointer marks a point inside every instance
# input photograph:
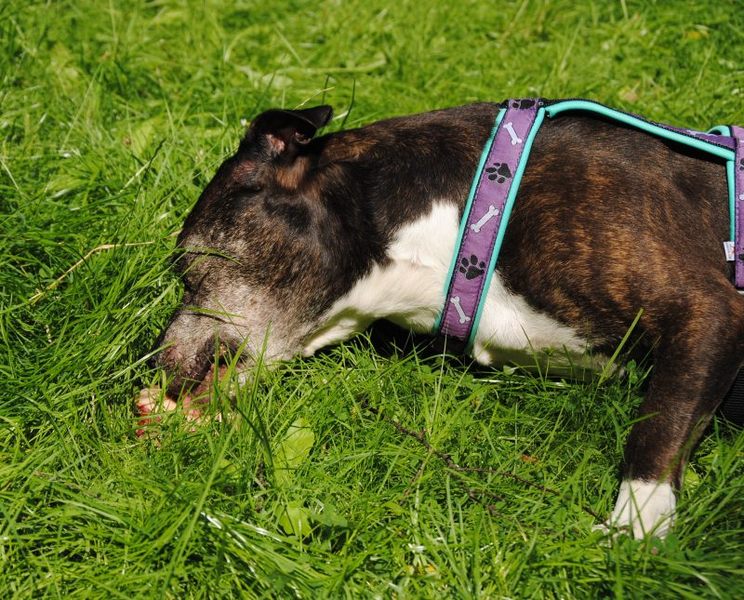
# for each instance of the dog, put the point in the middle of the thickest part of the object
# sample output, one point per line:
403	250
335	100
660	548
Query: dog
301	241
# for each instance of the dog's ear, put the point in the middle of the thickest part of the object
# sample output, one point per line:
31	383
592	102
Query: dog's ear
281	133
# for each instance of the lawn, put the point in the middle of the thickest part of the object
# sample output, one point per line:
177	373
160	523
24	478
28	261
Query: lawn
374	469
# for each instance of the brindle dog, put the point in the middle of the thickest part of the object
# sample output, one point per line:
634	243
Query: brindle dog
301	241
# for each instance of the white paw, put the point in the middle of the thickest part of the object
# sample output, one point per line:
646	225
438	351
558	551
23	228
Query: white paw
642	508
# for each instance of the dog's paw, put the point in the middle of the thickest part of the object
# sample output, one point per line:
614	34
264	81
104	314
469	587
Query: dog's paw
642	508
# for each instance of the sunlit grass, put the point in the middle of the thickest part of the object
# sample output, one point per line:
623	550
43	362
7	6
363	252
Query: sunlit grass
113	117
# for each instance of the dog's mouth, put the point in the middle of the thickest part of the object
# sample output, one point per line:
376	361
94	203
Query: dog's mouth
201	388
191	369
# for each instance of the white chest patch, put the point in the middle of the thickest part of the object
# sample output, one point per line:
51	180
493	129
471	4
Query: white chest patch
409	291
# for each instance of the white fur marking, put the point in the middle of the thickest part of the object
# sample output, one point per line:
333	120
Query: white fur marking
409	291
644	507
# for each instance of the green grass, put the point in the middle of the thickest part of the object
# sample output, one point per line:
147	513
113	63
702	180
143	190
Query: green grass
113	116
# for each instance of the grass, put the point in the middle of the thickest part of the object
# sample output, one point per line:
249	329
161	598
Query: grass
112	118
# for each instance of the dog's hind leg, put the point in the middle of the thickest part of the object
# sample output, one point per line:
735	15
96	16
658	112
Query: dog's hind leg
699	350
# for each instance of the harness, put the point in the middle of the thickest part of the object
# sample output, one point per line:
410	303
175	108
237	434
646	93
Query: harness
496	183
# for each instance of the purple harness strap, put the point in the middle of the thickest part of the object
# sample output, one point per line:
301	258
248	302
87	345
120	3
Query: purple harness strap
496	182
495	187
738	134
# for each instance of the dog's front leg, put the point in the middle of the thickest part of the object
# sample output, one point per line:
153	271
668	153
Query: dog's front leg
695	363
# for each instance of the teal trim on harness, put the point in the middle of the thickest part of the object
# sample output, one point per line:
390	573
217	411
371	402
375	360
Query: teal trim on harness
622	117
732	197
702	145
726	130
466	211
504	223
720	130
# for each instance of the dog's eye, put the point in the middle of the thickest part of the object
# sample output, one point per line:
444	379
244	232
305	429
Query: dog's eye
251	188
192	282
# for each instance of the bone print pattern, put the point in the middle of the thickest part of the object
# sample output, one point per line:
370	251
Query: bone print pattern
490	214
515	139
458	307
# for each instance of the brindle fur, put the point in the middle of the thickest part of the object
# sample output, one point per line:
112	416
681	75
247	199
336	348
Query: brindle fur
608	221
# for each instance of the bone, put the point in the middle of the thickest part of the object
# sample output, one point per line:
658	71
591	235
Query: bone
150	402
153	403
492	212
515	139
458	307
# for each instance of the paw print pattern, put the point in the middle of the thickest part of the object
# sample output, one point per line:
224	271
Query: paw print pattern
523	104
741	165
499	171
472	268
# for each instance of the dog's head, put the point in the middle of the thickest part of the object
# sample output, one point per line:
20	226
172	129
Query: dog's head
271	243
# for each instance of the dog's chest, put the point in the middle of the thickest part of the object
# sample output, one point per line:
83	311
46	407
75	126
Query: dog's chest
409	291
